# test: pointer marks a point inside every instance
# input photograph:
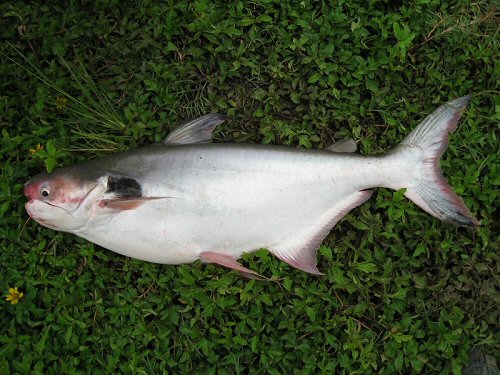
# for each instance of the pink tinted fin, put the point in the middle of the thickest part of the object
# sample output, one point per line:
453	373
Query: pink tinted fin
251	276
305	260
226	261
124	204
300	252
431	191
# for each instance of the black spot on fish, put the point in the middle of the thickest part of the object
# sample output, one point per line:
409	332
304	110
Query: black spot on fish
124	187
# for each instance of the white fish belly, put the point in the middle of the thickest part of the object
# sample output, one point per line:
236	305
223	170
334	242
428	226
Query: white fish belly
151	232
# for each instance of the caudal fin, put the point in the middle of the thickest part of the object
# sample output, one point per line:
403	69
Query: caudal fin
431	191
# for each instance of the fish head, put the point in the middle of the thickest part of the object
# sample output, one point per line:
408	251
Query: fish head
62	202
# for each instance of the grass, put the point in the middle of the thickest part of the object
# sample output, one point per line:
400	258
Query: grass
403	292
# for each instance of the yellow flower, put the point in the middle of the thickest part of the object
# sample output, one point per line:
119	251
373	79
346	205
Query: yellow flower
39	147
61	102
14	295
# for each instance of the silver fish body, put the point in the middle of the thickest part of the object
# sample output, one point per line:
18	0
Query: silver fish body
230	198
179	202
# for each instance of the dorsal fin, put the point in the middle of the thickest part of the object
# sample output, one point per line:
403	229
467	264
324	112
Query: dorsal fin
344	145
195	131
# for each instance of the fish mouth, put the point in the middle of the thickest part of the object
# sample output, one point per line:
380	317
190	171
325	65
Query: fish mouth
27	208
62	208
34	217
39	219
31	214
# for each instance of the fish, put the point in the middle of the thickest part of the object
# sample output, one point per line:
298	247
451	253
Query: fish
188	199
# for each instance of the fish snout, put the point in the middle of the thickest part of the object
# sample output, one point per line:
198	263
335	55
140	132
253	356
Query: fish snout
31	190
35	213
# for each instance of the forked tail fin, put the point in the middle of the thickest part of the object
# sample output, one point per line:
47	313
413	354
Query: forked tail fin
431	191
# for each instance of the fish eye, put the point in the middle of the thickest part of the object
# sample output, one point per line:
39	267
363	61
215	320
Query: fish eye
45	191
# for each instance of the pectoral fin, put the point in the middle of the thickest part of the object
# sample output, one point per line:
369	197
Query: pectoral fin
226	261
123	204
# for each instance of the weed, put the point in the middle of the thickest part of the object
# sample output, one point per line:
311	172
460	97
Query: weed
402	292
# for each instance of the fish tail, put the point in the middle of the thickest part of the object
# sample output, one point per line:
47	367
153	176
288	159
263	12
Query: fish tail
429	190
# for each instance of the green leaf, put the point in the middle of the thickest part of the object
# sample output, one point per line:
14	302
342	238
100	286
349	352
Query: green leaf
366	267
311	313
314	78
68	334
186	277
399	337
50	163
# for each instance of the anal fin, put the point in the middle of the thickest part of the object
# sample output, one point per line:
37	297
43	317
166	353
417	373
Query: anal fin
300	251
226	261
